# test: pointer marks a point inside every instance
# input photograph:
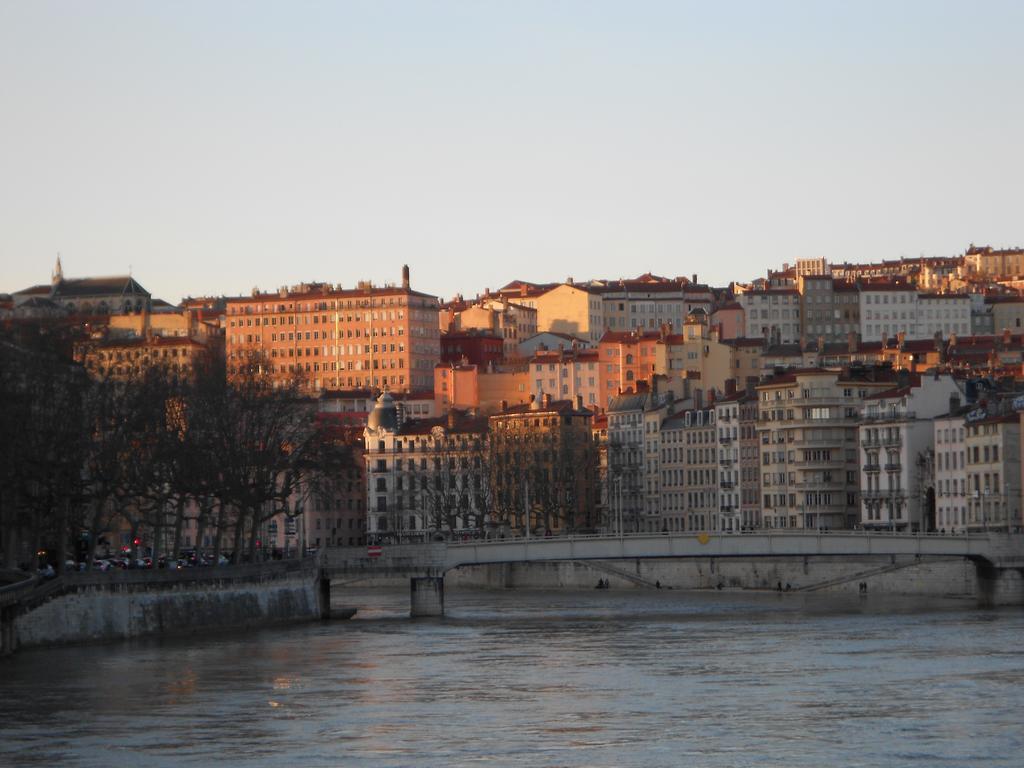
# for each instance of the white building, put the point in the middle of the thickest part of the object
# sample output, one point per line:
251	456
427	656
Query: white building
897	443
890	308
950	472
423	476
634	490
727	421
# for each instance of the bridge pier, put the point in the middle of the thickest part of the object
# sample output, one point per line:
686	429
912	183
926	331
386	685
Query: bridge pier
7	641
999	586
324	595
426	596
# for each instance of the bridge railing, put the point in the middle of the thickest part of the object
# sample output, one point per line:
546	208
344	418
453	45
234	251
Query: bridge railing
723	534
18	585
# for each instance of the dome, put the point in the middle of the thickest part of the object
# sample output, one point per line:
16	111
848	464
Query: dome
384	415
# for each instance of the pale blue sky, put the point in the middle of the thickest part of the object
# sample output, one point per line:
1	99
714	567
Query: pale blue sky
217	146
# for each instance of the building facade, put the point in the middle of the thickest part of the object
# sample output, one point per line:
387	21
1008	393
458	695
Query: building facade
333	338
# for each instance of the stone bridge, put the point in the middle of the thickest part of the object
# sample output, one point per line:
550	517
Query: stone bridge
425	564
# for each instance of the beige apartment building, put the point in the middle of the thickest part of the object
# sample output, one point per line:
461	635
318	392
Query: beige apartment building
807	425
690	472
993	452
990	262
330	337
563	308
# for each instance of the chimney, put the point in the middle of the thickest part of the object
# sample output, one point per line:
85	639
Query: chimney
569	280
821	345
901	337
952	339
579	402
534	405
694	278
954	403
730	387
405	277
451	419
546	400
504	405
938	341
852	342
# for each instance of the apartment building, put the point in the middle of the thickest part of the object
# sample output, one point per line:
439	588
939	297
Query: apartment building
830	309
807	426
563	308
993	453
897	440
329	337
566	375
649	302
472	388
990	262
697	352
626	358
889	308
634	490
507	320
950	470
424	476
727	421
690	472
773	314
544	468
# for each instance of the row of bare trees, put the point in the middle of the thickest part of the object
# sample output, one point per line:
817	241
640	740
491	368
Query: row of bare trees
152	454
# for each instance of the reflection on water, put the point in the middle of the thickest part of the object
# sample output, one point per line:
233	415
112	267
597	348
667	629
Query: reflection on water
543	678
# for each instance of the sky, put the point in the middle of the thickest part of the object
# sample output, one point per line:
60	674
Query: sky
212	148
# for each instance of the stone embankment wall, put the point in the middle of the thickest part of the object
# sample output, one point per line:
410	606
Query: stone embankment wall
125	604
901	575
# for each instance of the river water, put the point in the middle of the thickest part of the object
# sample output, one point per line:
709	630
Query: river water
538	678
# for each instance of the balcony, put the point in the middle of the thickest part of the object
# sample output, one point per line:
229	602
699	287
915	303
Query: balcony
871	468
870	442
876	417
821	441
726	485
725	439
892	467
876	495
725	462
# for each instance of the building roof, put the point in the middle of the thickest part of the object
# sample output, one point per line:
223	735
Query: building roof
325	291
561	407
629	337
84	287
456	423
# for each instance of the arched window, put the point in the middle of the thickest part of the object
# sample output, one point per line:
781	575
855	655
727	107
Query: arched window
629	359
629	375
